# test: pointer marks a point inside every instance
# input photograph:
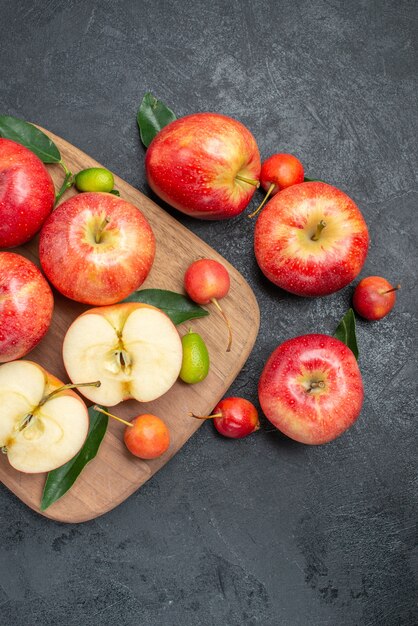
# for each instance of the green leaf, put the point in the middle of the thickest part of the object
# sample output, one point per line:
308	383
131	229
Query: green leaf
115	192
30	137
59	481
178	308
312	180
152	116
346	332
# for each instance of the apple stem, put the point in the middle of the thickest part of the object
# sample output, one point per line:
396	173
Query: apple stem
218	306
250	181
320	227
97	383
260	206
67	183
118	419
390	290
205	417
99	232
317	384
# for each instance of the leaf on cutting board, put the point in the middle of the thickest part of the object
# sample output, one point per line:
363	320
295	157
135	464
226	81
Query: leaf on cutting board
152	116
59	481
31	137
178	308
312	180
346	332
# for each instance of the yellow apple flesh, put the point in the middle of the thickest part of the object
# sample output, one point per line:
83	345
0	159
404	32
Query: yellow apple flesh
133	349
38	433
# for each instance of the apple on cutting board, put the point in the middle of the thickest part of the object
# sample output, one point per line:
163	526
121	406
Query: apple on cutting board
96	248
27	194
41	428
133	349
26	305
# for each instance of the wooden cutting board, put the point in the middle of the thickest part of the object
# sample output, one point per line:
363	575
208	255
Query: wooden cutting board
115	474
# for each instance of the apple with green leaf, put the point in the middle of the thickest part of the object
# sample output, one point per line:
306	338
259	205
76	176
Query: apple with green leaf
43	422
206	165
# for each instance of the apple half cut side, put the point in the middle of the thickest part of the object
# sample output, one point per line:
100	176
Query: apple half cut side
133	349
39	430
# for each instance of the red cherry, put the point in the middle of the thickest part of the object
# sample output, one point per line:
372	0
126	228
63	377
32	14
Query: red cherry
374	297
208	281
278	172
234	417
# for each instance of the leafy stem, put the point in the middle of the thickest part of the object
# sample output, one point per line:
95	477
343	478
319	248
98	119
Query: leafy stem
68	182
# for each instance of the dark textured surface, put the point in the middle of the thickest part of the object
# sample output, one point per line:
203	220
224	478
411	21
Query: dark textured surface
263	531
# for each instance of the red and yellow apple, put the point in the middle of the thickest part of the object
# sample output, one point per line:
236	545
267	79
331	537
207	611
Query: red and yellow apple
26	305
41	428
206	165
311	239
311	388
96	248
27	194
133	349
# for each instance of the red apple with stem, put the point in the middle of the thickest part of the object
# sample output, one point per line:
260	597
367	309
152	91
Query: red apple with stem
96	248
374	297
26	305
208	281
206	165
311	239
311	388
233	417
27	194
278	172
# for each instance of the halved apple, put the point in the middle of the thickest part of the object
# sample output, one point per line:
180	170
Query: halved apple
133	349
41	428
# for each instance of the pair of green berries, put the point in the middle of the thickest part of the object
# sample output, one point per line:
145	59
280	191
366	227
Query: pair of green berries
195	364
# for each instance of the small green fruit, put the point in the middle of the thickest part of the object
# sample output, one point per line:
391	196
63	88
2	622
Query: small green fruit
195	365
94	179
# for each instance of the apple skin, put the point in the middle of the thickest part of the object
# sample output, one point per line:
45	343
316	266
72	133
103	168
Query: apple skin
27	194
311	415
26	305
192	163
289	257
374	297
91	272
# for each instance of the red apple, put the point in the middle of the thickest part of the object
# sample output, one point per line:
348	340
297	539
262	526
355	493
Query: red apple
206	165
26	305
96	248
374	297
311	239
311	388
27	194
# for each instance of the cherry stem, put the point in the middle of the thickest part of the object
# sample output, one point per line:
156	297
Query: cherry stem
205	417
320	227
390	290
118	419
99	231
260	206
250	181
218	306
97	383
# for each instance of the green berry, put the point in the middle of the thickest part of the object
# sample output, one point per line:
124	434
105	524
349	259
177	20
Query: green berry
94	179
195	365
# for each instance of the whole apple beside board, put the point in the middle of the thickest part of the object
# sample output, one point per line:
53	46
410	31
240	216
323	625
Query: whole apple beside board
311	239
26	305
41	428
311	388
27	194
133	349
206	165
96	248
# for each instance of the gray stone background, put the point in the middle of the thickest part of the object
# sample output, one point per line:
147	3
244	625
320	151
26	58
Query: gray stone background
263	531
